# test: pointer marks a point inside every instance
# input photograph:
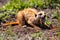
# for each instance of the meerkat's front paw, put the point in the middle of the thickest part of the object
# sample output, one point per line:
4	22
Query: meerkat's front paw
24	26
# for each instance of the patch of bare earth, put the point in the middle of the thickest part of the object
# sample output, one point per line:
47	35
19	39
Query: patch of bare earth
25	33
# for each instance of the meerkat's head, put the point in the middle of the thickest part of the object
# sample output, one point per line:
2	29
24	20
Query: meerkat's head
41	14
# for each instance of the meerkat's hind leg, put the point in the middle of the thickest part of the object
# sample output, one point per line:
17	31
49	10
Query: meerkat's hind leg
21	21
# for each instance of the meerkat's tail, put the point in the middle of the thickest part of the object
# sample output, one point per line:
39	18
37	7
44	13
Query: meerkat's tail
10	23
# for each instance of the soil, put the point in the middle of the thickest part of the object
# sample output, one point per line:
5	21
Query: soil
25	33
11	33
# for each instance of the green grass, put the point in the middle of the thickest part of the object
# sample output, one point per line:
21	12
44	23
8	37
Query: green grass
14	6
36	34
59	34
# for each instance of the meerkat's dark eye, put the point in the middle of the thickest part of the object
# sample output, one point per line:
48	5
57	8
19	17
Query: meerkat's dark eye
40	14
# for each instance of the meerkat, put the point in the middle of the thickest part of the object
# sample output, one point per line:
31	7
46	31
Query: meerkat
29	15
26	14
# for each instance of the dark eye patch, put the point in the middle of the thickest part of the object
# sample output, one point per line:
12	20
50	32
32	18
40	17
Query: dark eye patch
35	15
40	14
